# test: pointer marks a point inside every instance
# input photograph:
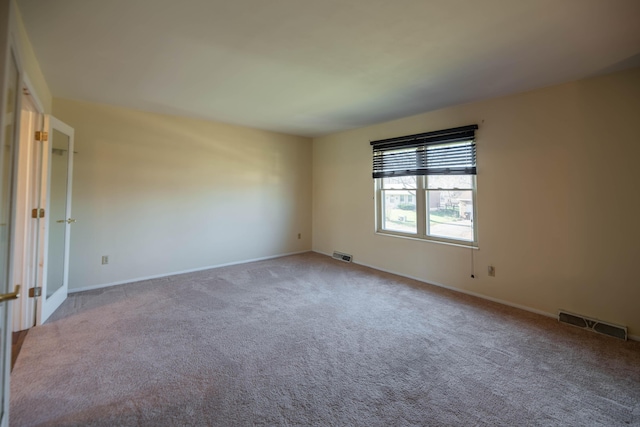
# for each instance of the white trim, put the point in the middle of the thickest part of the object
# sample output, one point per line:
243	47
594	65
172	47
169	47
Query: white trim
464	291
176	273
9	52
32	92
193	270
389	233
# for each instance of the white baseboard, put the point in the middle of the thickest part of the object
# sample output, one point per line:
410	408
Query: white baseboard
175	273
464	291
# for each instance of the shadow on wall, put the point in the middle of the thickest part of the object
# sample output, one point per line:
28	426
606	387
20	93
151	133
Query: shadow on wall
162	194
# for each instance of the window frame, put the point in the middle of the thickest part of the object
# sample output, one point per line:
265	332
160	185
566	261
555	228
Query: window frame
422	212
446	152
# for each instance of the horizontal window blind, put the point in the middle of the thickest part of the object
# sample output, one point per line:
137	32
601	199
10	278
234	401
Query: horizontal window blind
443	152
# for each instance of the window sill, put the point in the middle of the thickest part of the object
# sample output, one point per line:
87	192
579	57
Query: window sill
470	245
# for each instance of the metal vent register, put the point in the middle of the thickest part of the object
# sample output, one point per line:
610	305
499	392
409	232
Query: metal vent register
593	325
342	257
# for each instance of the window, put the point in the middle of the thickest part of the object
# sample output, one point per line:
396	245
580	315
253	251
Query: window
426	185
399	217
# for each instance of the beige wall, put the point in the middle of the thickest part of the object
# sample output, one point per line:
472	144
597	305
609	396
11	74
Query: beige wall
558	206
161	194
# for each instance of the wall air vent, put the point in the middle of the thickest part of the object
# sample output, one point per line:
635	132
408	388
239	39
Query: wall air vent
593	325
342	257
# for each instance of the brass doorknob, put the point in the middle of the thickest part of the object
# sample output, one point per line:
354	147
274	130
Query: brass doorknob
13	295
68	221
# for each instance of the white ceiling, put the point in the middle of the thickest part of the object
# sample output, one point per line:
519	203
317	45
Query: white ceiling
315	67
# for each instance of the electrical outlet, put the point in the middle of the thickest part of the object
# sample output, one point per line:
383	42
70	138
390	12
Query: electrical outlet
299	236
105	259
491	271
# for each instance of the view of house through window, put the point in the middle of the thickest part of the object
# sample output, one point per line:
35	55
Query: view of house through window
400	215
450	206
437	206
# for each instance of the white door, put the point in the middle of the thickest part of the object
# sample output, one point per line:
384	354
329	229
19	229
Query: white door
9	115
28	178
55	227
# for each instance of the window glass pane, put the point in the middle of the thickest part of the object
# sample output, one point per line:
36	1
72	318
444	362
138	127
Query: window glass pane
449	181
398	182
397	215
450	214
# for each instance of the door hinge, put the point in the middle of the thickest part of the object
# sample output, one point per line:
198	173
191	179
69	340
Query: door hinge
37	213
35	292
42	136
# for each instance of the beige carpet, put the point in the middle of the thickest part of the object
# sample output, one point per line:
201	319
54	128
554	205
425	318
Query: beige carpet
306	340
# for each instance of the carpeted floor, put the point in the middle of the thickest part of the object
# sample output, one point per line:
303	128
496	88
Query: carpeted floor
306	340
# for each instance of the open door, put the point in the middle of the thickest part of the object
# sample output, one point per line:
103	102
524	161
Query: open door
9	118
55	227
28	172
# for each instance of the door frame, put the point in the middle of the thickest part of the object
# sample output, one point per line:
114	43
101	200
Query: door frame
9	48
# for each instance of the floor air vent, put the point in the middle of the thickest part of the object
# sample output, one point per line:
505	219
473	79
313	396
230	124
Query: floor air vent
594	325
342	257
